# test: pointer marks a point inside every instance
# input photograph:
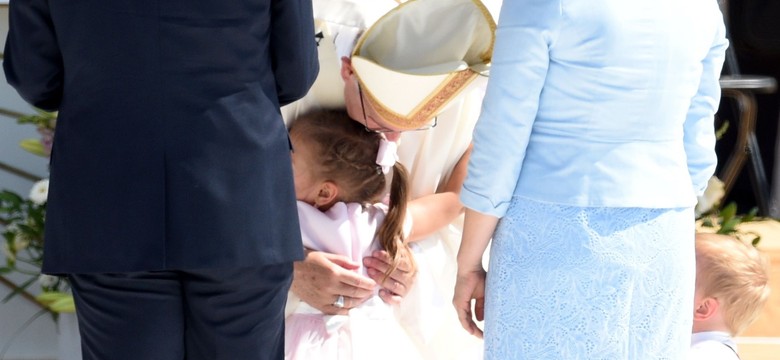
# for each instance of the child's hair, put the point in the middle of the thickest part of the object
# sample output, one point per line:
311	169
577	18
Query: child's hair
734	273
347	155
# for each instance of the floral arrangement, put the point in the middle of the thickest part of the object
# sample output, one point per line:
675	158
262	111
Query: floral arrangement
23	222
724	220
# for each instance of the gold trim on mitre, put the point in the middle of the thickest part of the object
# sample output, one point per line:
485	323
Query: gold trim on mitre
487	56
421	55
438	89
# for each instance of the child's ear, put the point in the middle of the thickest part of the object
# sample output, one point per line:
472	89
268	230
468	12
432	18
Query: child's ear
327	194
706	309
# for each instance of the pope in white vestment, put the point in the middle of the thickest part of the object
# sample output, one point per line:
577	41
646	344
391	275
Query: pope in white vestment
426	312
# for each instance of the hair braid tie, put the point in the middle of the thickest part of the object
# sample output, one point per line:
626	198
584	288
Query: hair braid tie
386	156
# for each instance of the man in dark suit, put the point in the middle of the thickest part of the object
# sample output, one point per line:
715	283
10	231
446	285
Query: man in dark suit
171	206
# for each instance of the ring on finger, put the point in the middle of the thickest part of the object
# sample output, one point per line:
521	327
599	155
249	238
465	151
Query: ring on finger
339	303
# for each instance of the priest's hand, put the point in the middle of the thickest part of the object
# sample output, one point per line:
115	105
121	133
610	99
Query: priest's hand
321	278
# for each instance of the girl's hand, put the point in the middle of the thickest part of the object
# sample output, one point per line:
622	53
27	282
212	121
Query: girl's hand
397	285
470	285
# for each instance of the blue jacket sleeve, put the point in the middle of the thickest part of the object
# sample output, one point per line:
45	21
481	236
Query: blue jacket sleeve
521	58
294	50
699	132
32	59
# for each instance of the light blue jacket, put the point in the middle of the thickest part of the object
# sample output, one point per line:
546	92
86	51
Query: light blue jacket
599	103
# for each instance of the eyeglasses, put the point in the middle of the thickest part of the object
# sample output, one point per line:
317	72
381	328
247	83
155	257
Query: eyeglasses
383	129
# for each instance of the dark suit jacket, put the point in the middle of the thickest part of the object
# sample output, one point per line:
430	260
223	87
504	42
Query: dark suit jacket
170	152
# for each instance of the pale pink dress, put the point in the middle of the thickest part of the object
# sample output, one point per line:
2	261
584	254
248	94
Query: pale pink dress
371	330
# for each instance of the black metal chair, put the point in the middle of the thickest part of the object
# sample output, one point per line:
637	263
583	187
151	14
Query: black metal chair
742	89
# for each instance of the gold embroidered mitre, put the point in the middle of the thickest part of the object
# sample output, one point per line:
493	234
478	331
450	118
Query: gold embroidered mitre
419	56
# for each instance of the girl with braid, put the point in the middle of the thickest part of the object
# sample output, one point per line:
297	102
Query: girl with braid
341	173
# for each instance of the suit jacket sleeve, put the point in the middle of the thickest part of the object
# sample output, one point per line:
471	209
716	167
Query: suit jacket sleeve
699	136
294	50
33	62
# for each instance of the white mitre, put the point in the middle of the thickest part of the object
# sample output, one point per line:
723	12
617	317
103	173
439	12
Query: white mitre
421	55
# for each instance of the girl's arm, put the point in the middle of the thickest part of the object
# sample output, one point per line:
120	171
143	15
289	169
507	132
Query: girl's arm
432	212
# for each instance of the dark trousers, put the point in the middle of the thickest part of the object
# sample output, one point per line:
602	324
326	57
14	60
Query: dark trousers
203	314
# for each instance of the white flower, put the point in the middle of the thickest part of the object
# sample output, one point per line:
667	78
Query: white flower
39	192
47	281
711	197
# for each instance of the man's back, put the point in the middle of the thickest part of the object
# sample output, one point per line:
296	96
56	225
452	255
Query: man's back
170	152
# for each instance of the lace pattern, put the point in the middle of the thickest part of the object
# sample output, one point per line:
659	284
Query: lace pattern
570	282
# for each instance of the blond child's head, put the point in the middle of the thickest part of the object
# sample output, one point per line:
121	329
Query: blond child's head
732	283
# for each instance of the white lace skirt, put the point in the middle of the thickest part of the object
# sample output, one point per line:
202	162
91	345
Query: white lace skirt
571	282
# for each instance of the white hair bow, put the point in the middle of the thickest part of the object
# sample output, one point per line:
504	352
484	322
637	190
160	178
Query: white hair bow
387	155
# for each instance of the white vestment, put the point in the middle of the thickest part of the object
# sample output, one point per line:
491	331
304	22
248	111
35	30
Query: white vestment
430	155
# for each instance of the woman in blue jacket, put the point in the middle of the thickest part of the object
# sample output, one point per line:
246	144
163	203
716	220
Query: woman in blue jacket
595	137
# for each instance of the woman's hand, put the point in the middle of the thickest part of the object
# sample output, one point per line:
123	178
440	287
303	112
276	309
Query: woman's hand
322	277
397	285
470	285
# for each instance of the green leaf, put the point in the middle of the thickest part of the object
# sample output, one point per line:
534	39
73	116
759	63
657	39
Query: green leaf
722	130
751	215
33	146
756	237
756	241
49	297
729	227
11	197
64	305
57	301
728	212
5	270
41	118
11	262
